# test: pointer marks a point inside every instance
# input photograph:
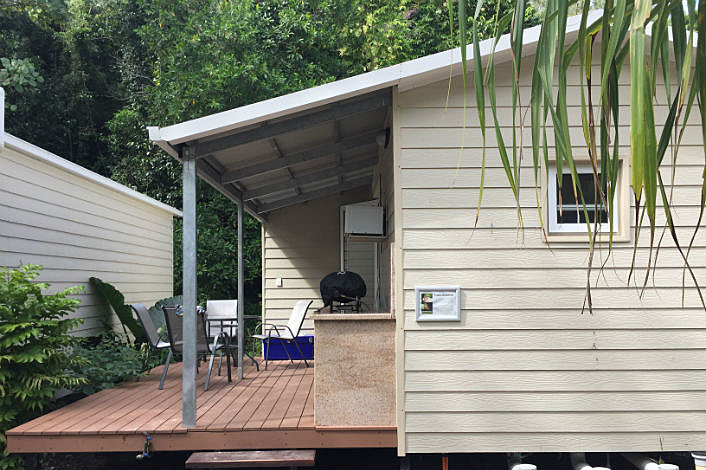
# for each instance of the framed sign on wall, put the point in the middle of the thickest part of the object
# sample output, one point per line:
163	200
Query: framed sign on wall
438	303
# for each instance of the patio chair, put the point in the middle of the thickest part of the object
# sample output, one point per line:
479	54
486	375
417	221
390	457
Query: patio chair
286	333
153	336
222	316
175	329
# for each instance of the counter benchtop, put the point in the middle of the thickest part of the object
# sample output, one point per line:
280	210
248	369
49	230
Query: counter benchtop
352	316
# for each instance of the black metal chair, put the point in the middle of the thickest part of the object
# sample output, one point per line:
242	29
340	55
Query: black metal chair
153	336
173	317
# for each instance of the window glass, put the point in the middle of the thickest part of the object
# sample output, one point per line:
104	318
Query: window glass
568	211
565	215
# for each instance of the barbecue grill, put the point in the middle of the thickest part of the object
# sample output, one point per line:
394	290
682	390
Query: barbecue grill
342	291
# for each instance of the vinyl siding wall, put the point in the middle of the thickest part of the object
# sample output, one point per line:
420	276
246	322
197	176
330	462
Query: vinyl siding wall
301	246
525	369
77	228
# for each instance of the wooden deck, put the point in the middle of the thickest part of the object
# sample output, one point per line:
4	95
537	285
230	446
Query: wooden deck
271	409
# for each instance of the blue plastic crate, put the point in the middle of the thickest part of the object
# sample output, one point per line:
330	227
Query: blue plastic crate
306	343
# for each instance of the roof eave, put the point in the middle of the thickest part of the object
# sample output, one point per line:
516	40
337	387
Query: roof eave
39	153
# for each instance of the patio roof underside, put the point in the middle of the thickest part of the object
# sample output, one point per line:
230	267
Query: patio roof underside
296	158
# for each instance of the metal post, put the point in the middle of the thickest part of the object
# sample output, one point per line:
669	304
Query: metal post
241	293
188	375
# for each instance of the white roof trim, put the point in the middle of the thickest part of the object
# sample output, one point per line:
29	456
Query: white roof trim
39	153
406	75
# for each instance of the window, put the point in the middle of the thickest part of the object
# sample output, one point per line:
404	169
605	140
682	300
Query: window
565	215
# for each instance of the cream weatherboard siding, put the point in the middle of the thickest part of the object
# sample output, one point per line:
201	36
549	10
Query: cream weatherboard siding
301	245
525	369
78	226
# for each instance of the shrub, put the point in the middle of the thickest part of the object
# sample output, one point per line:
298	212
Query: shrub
107	362
35	349
110	359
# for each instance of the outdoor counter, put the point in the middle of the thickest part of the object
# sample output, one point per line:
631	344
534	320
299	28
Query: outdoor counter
354	373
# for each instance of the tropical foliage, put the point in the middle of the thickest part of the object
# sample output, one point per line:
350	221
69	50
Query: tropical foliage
115	303
106	361
629	34
35	348
112	67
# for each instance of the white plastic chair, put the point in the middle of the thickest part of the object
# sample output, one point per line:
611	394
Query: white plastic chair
222	320
286	333
224	310
221	315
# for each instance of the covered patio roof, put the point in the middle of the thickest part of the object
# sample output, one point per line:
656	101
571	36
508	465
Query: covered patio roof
314	142
294	158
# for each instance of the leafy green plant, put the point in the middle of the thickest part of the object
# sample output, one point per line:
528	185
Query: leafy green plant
35	349
116	301
157	314
107	361
19	74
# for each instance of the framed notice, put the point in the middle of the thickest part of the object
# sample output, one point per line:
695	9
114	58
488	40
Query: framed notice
438	303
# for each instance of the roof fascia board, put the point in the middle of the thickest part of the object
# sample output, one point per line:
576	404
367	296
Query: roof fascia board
39	153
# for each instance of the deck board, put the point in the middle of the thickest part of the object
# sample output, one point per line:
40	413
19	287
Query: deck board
279	410
243	416
258	418
296	407
307	418
265	410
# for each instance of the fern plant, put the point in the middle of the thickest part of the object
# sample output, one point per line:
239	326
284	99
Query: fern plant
35	349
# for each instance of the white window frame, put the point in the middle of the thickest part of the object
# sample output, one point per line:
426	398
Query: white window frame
579	227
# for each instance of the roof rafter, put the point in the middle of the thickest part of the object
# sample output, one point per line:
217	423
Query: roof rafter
280	154
310	154
268	130
310	178
205	169
337	138
326	191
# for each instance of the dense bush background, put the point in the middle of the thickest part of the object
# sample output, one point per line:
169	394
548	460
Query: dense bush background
112	67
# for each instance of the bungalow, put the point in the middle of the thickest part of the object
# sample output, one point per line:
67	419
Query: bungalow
470	338
78	224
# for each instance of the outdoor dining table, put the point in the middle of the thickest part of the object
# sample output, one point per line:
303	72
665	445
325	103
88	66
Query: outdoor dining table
230	323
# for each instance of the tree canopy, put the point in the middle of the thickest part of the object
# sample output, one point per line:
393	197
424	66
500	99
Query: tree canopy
102	70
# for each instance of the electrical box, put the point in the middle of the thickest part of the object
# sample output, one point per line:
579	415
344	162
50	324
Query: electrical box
363	220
